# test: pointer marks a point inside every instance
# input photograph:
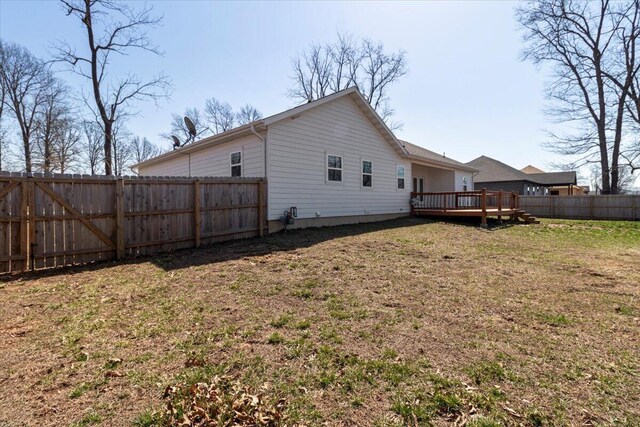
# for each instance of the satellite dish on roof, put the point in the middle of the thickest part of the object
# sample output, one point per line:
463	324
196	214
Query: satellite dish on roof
190	126
176	142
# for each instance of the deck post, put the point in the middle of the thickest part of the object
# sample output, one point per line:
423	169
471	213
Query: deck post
412	196
444	202
483	206
499	206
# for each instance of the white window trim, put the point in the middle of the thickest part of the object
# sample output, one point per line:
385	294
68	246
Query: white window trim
241	164
363	174
404	177
326	168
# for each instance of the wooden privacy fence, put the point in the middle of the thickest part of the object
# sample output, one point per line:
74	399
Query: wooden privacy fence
624	207
58	220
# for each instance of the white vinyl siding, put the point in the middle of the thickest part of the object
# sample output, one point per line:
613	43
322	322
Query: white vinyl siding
177	166
460	176
298	178
214	161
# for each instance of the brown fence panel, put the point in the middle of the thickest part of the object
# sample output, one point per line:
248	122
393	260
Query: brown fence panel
56	220
13	227
74	221
618	207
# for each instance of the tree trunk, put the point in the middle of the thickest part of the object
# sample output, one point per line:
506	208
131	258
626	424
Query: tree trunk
27	153
108	157
47	156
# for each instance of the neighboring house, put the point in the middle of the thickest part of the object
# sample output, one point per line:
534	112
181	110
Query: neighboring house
495	175
333	159
557	183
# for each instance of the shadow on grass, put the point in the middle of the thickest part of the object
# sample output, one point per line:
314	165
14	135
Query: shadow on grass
290	240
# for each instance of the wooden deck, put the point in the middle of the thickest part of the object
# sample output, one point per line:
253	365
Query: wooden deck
480	204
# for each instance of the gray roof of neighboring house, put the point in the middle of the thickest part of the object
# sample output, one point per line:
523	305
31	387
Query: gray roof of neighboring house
492	170
422	153
554	178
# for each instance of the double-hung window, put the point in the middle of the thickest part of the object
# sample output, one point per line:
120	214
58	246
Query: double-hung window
334	168
367	174
400	176
236	163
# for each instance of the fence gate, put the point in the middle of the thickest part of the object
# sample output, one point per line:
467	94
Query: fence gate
13	226
72	222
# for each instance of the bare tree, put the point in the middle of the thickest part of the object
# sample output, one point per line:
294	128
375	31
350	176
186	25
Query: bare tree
24	78
248	114
378	71
3	131
92	146
585	42
219	115
313	72
51	122
112	27
142	149
325	69
122	153
67	146
180	130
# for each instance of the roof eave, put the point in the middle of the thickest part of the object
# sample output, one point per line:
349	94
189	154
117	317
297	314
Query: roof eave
443	165
209	141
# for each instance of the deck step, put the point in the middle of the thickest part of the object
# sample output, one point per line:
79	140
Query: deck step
527	217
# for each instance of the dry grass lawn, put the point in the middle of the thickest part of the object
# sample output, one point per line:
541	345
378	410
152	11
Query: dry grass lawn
407	322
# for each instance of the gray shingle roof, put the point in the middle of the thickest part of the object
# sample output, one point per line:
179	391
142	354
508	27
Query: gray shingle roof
554	178
421	152
492	170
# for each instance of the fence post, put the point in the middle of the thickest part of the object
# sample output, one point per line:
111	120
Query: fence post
196	212
24	226
120	238
261	208
31	194
500	200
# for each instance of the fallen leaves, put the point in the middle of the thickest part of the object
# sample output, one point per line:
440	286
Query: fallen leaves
222	402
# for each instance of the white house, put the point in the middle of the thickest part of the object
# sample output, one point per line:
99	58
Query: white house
333	159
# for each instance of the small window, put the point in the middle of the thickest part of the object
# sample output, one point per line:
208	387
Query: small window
367	173
400	176
236	163
334	168
464	183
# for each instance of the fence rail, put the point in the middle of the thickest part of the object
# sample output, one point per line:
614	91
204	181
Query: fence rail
57	220
618	207
457	201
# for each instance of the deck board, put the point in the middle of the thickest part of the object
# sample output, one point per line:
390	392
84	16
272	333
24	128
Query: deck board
464	212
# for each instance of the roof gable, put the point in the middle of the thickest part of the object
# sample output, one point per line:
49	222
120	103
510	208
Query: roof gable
354	94
492	170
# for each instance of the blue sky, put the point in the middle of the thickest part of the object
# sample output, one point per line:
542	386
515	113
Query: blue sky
466	93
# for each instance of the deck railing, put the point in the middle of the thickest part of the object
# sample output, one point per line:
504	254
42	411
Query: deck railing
465	200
